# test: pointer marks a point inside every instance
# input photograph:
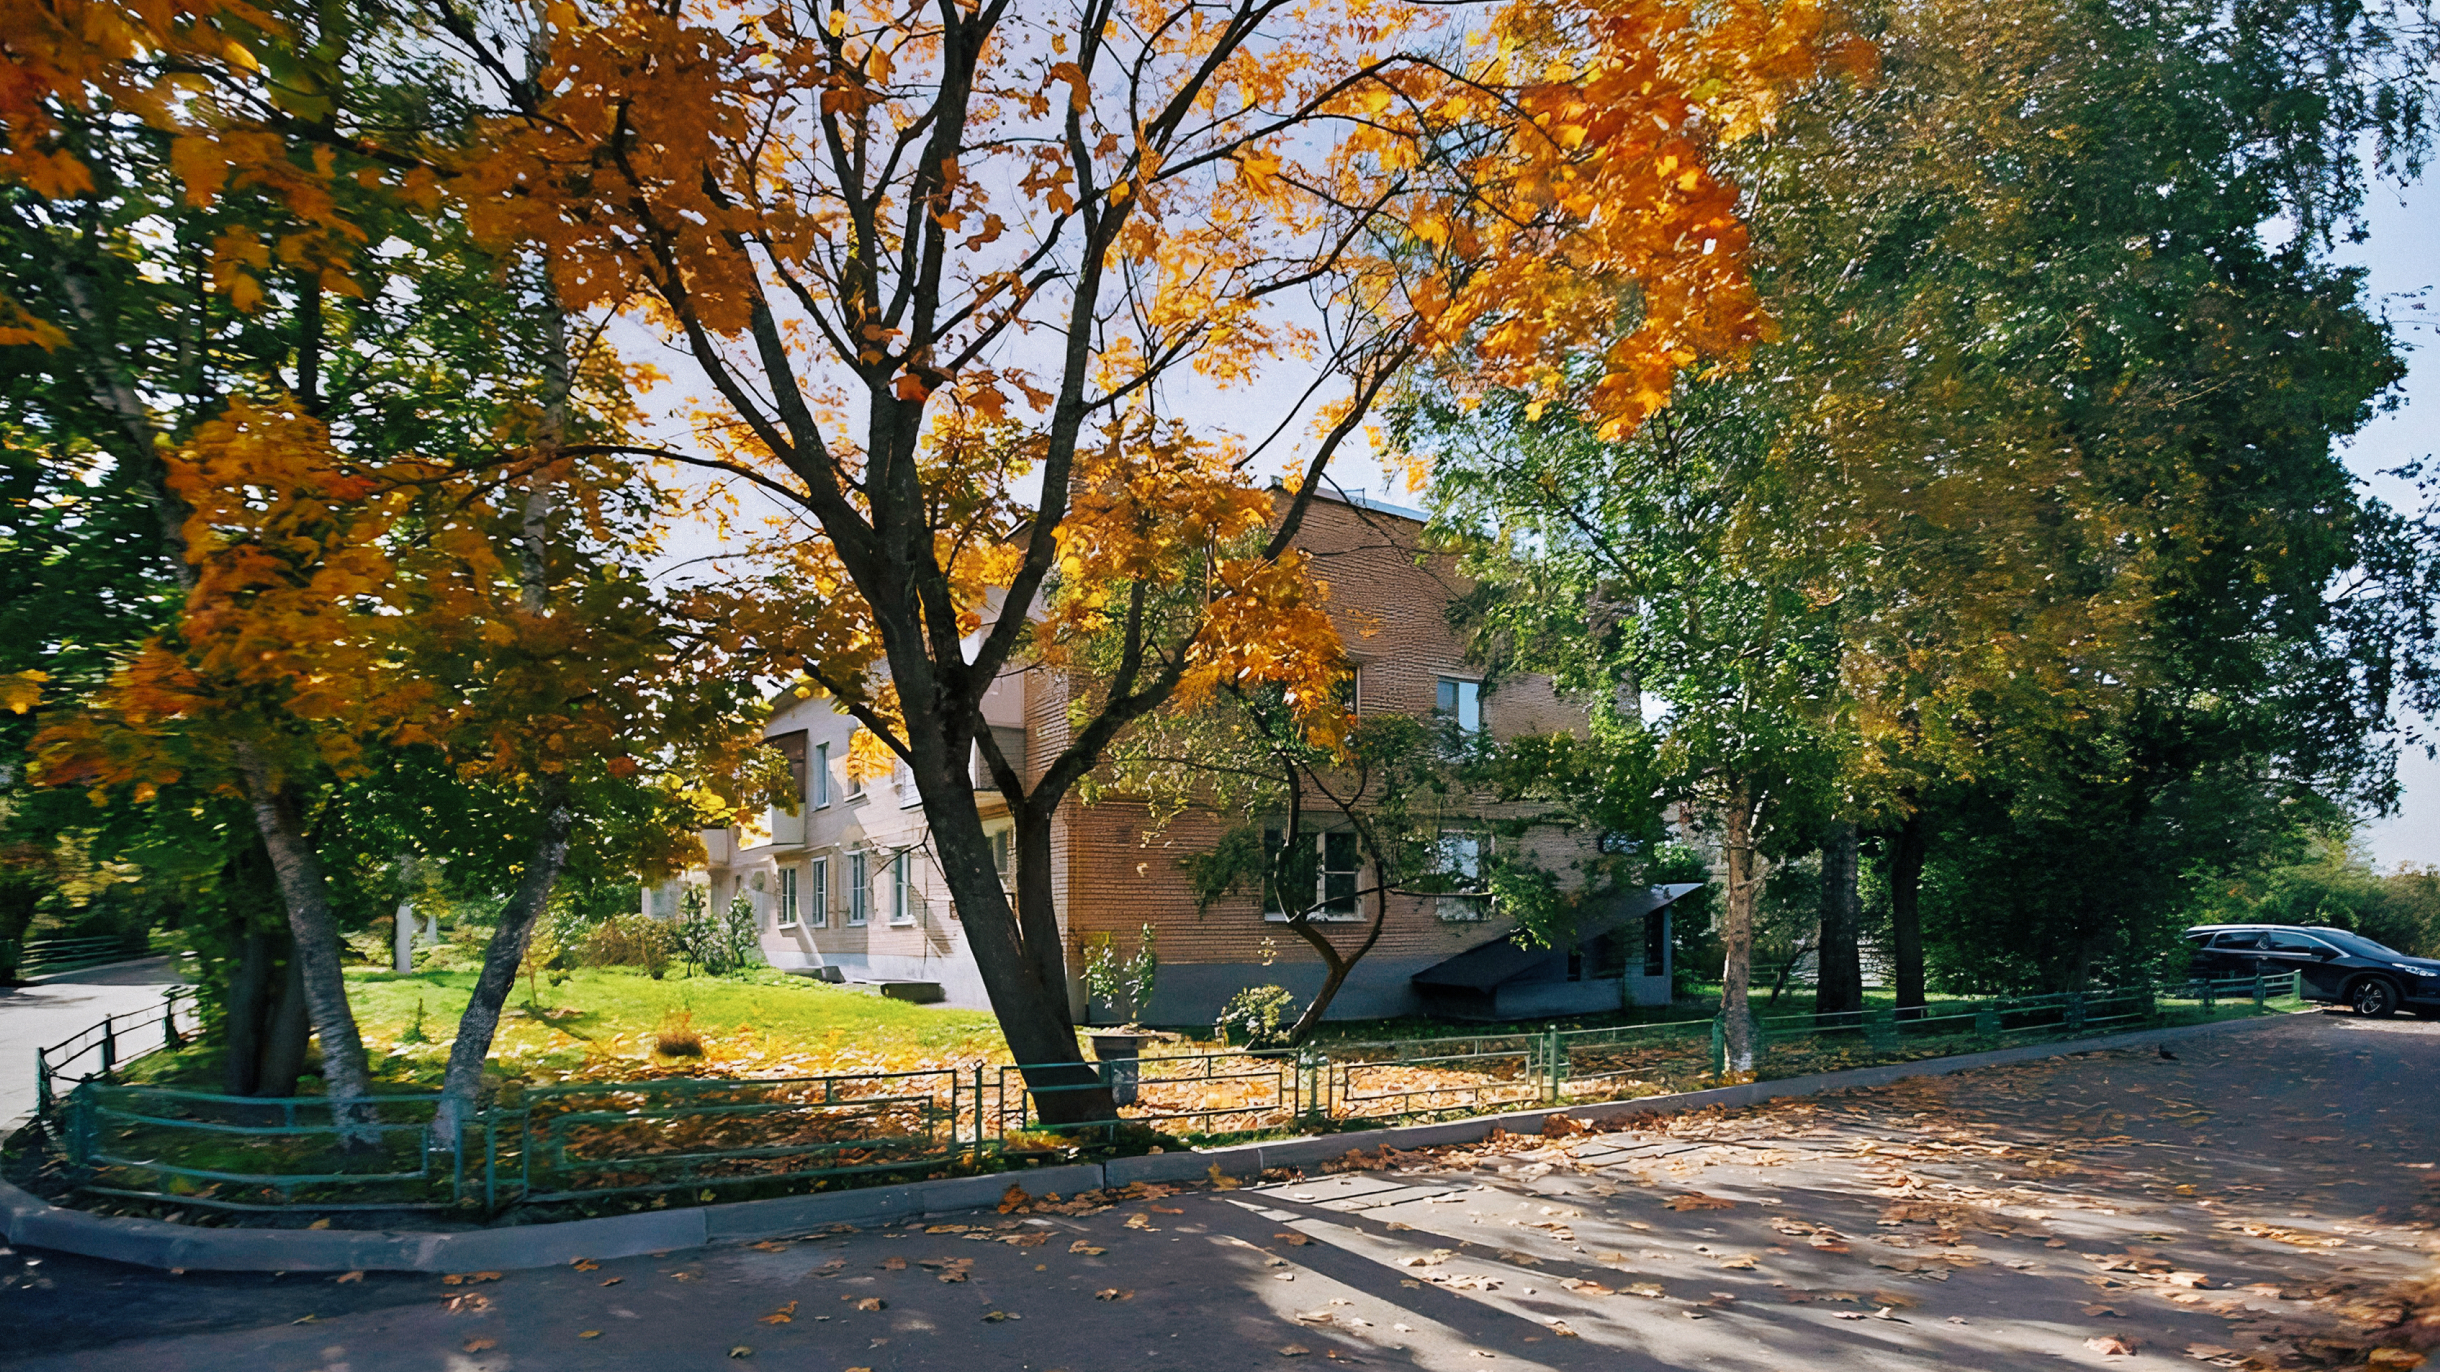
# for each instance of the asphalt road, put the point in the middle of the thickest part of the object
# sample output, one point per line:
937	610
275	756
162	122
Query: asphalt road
2256	1199
47	1012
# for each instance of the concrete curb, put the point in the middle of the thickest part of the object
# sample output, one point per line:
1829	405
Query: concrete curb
29	1220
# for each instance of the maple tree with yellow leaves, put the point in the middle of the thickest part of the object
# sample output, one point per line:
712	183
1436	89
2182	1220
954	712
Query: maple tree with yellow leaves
945	273
947	276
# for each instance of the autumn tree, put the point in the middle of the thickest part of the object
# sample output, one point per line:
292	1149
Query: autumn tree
881	235
355	434
2027	427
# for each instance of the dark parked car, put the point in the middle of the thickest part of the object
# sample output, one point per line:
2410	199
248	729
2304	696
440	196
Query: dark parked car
2332	965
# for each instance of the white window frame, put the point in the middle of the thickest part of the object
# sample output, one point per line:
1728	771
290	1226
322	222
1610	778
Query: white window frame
902	910
819	904
1004	856
1459	852
821	776
1322	873
859	889
1465	696
787	897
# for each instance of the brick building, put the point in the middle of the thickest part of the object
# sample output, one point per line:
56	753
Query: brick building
847	883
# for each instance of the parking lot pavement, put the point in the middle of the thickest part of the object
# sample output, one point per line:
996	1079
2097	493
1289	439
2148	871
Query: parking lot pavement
2256	1200
46	1012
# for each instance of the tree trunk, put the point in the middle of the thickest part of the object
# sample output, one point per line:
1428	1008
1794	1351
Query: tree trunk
1019	954
1745	878
286	1034
1906	852
243	1015
462	1082
479	1024
296	869
306	894
1840	991
402	924
1342	964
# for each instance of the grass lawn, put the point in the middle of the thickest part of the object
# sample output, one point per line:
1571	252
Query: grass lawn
601	1022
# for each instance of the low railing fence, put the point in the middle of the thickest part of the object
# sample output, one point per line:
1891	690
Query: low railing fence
44	956
101	1049
587	1143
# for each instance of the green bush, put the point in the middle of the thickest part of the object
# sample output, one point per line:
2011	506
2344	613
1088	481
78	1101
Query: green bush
724	943
1252	1017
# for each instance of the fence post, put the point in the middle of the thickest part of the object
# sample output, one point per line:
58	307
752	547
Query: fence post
2075	1012
2259	997
1558	1063
1719	1042
44	1106
110	1043
1986	1019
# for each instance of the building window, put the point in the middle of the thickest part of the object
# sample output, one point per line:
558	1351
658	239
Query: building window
1335	863
792	747
1004	857
859	888
1460	857
903	780
818	898
1656	943
902	901
787	897
821	775
1462	702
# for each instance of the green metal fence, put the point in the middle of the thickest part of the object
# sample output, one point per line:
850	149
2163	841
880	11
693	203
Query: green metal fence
46	956
101	1049
640	1140
579	1141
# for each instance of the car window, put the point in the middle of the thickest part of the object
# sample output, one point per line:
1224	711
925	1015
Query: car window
2358	944
2281	941
2239	938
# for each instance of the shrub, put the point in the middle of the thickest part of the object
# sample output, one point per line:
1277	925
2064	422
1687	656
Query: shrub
1124	984
677	1037
724	943
1253	1016
631	941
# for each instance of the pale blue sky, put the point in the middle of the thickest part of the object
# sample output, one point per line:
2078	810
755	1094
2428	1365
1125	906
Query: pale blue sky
2402	256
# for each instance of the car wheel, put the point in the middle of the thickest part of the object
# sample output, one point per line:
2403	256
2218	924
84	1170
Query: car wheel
2373	998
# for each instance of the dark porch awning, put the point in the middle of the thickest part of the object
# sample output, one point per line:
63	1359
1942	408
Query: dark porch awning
1496	960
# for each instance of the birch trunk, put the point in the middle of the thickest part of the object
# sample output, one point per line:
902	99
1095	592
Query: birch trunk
306	893
1745	879
462	1083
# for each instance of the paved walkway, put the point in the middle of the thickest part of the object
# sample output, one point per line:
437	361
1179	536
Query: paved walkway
49	1011
2252	1202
